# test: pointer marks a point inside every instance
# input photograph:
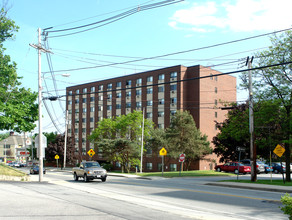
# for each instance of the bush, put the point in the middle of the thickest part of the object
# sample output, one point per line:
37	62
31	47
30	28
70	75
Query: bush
287	202
107	166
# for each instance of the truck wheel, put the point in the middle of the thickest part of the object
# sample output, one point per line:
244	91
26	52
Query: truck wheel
75	177
85	178
103	179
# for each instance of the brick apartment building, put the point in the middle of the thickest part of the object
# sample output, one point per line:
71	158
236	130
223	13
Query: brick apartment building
160	93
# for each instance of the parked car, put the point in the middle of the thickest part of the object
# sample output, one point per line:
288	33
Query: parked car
233	167
35	170
268	168
260	166
14	164
278	168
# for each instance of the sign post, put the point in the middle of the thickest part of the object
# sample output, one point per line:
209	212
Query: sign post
162	153
181	160
57	158
279	151
240	149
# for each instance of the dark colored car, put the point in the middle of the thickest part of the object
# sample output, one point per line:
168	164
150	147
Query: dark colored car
233	167
278	168
35	170
260	166
268	168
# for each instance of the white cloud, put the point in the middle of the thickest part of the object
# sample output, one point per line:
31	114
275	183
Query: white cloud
235	15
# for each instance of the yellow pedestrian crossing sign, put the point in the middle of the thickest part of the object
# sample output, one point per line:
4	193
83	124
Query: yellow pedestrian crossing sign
91	153
162	152
57	157
279	150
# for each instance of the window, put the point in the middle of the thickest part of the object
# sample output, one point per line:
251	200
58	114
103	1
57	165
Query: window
109	107
173	100
139	81
149	103
128	105
160	88
138	92
159	166
77	91
173	87
149	114
216	90
91	99
211	76
76	120
100	87
91	109
173	167
128	83
160	114
84	100
70	102
100	98
148	151
118	106
216	78
70	111
138	104
149	166
161	126
77	110
91	119
149	90
172	112
92	89
160	101
150	79
128	94
216	102
109	86
119	95
76	101
70	93
119	84
216	114
84	90
100	107
161	77
83	130
76	130
173	75
83	120
84	110
109	96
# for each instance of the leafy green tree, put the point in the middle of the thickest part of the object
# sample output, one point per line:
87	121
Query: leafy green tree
119	138
184	137
4	136
275	83
18	110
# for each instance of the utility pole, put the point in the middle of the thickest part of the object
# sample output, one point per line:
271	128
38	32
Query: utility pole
253	154
141	166
65	141
40	50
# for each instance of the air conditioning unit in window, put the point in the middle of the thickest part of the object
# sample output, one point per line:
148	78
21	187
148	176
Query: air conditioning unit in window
138	96
109	100
172	92
172	104
171	79
128	97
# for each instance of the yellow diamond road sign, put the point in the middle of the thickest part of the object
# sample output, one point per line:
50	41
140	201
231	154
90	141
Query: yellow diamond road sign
91	152
279	150
162	152
57	157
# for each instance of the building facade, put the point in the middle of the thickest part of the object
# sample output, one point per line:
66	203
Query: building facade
160	93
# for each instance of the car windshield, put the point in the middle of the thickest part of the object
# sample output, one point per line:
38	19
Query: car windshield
93	164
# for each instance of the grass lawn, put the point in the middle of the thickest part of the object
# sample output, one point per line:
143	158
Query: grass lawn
193	173
274	182
9	171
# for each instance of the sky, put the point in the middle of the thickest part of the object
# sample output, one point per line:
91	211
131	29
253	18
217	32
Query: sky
190	25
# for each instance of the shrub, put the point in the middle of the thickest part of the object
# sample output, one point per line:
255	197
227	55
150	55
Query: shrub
287	202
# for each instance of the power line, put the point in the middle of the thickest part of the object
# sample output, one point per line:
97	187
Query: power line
175	53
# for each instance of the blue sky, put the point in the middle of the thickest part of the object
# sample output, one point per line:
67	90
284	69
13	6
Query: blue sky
177	27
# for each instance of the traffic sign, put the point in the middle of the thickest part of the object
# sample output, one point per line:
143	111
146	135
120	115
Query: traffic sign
91	153
182	158
57	157
162	152
279	150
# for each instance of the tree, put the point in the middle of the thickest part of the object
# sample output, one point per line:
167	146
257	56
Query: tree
56	143
184	137
4	136
275	83
18	110
119	138
234	131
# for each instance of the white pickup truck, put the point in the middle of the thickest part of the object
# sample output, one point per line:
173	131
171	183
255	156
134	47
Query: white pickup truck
89	170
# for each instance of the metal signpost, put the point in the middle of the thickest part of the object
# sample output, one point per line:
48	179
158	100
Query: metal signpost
162	153
279	151
240	149
57	158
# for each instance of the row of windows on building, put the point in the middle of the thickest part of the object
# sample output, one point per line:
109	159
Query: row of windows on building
149	166
149	79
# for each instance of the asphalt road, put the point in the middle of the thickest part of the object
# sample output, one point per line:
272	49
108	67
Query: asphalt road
59	197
